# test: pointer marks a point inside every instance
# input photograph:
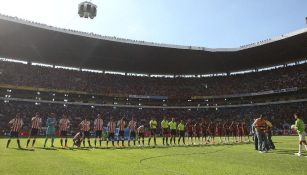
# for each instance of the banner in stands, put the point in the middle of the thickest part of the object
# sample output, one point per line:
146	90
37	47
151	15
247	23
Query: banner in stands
247	94
149	97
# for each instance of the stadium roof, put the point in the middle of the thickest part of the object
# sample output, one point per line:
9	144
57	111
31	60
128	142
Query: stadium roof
45	44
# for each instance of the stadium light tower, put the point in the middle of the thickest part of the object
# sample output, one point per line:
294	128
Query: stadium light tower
87	9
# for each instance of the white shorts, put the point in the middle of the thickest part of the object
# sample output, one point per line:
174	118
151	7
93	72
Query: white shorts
301	136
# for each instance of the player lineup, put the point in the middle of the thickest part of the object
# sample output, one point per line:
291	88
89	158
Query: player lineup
173	132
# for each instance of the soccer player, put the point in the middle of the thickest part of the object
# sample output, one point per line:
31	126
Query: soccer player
197	131
299	126
173	128
15	125
153	130
36	124
77	139
111	130
255	138
218	130
121	135
245	131
50	132
141	130
165	128
204	129
239	130
211	129
98	127
85	127
232	129
64	125
189	126
181	129
132	131
226	131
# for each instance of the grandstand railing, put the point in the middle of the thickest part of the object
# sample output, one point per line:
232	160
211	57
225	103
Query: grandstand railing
252	94
152	107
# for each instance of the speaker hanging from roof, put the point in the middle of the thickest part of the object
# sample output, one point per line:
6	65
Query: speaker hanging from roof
87	10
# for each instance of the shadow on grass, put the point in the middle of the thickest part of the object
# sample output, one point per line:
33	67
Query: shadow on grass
284	151
22	149
165	147
47	148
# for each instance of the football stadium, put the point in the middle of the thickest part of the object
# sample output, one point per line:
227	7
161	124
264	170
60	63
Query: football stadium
124	87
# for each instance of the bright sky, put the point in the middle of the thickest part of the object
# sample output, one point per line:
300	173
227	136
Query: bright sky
208	23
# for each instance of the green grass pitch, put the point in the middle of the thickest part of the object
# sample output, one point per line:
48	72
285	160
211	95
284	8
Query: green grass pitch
219	159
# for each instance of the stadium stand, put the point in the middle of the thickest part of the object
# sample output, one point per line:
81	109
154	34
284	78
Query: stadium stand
112	85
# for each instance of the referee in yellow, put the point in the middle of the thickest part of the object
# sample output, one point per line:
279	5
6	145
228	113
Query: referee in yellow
165	128
181	129
173	128
153	130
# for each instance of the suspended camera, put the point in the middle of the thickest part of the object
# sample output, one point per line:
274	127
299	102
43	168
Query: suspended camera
87	9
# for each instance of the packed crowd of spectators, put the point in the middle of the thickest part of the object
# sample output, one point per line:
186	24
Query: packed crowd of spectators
108	84
280	115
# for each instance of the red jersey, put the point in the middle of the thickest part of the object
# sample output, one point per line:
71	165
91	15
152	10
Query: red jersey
197	128
218	129
111	127
85	125
64	124
189	126
36	122
211	128
226	126
16	124
98	124
204	127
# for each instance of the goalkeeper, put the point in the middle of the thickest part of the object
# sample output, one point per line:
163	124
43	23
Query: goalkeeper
299	126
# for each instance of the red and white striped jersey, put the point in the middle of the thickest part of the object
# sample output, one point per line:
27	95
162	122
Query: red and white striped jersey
85	125
64	124
36	122
132	125
121	124
98	124
16	124
111	127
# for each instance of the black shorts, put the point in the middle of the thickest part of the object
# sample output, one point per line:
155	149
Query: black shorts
111	136
121	134
153	131
132	134
164	131
86	134
14	134
181	133
227	132
173	132
98	134
63	133
190	134
205	134
141	135
34	132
